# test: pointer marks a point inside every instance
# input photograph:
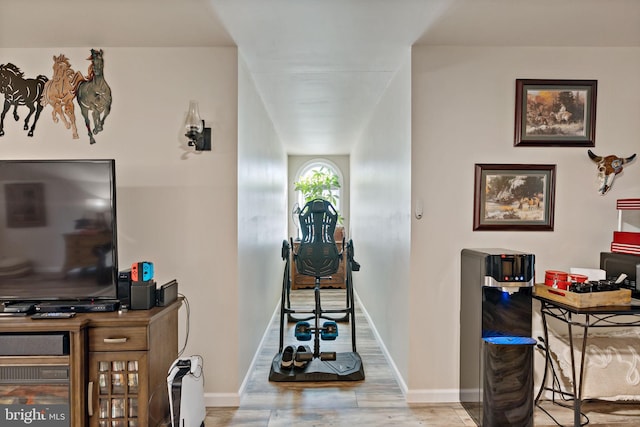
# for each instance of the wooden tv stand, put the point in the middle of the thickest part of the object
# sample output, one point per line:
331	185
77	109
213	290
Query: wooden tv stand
117	363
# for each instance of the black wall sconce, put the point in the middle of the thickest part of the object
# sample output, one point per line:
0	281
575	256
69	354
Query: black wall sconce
199	136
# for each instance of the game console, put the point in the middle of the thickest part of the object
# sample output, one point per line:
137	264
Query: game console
141	271
167	293
185	384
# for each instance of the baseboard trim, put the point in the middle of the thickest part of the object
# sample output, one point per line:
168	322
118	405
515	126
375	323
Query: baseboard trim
411	396
252	365
222	400
394	369
432	396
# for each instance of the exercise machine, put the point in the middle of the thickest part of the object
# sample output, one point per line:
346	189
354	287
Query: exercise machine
317	256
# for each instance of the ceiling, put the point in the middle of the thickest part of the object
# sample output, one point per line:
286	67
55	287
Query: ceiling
320	66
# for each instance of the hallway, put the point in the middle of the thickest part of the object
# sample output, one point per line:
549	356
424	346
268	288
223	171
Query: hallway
376	401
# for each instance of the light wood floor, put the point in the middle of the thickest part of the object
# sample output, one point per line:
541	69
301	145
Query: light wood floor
376	401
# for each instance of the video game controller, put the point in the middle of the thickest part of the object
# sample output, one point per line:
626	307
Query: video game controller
141	271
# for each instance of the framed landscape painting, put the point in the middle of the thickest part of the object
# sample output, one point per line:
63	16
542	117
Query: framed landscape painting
559	113
514	197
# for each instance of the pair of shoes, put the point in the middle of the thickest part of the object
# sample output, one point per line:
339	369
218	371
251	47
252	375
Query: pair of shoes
296	357
287	357
303	356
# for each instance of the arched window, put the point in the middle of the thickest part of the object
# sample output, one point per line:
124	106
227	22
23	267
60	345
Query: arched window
313	174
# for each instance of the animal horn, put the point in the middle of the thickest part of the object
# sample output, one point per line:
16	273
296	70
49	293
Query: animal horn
593	156
628	159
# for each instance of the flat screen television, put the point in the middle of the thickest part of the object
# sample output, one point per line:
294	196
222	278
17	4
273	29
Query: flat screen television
58	230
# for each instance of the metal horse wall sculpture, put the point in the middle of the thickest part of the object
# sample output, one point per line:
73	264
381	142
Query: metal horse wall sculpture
94	95
60	91
20	91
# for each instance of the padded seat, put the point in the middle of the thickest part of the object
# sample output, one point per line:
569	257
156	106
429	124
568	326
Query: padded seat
318	254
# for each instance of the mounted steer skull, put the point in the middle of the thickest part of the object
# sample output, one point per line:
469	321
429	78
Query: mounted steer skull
608	168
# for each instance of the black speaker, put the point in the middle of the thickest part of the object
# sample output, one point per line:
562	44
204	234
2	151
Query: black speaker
124	288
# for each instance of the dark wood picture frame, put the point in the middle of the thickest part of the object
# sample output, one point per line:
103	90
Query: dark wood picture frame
555	113
514	197
25	205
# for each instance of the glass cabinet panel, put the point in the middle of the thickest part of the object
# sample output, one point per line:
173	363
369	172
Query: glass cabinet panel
117	383
103	383
104	408
133	382
117	408
133	408
119	393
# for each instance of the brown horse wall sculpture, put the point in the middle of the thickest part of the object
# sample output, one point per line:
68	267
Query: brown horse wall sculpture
60	91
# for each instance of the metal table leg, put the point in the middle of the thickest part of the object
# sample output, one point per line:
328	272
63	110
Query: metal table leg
579	377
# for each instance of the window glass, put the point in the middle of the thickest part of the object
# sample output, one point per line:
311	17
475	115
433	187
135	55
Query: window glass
315	172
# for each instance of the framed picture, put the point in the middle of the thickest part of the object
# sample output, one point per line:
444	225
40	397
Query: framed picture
514	197
25	205
555	113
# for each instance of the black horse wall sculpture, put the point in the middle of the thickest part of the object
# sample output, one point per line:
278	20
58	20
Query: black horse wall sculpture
19	91
94	95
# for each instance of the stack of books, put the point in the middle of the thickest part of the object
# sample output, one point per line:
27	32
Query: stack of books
626	242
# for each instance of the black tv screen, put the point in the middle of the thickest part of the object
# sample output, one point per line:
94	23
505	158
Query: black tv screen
58	230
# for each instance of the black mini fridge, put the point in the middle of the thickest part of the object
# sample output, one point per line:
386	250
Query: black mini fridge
496	348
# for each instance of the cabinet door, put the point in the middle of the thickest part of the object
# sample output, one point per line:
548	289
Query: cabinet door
117	393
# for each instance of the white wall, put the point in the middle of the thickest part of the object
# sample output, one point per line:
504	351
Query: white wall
176	208
380	217
463	103
262	221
